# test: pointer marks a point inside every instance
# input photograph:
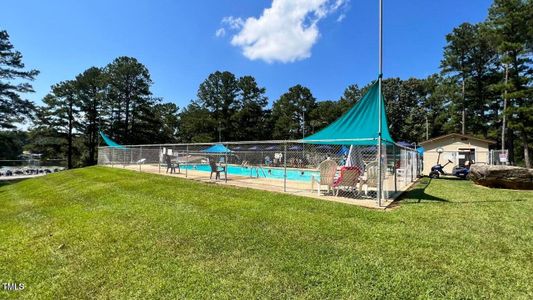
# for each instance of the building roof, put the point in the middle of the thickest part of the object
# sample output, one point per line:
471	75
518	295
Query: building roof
462	136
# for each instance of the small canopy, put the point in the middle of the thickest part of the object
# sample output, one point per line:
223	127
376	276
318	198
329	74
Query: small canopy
110	142
296	148
272	148
217	148
253	148
405	144
325	147
359	126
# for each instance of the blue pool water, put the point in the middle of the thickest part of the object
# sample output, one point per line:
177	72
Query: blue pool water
272	173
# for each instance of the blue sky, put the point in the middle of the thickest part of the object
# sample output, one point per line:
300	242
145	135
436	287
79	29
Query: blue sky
178	43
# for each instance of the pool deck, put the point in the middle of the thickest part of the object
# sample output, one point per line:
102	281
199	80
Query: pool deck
271	185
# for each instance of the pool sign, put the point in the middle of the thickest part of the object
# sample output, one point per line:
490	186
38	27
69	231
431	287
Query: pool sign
278	155
503	157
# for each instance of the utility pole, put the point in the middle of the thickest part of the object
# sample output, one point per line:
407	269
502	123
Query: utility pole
219	132
303	122
464	108
504	105
427	128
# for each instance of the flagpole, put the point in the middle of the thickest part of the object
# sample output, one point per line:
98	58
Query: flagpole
380	76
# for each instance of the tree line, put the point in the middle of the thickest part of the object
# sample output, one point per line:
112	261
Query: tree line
483	89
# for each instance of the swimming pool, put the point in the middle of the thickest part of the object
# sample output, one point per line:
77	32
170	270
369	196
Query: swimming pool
264	172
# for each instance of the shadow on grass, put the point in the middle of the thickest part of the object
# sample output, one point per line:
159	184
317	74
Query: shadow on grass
418	193
11	181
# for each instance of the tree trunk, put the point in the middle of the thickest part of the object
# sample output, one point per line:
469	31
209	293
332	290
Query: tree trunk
69	136
527	162
464	108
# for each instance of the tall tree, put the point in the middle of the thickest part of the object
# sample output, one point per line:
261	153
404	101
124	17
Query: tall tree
289	113
61	114
196	124
129	89
351	95
458	53
511	22
90	87
13	83
219	95
249	117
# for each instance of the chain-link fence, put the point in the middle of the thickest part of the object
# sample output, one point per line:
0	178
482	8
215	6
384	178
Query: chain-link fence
499	157
19	167
325	169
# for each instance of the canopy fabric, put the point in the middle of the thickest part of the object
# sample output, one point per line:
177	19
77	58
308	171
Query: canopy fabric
217	148
358	126
110	142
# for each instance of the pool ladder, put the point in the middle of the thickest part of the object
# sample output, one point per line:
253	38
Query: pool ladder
257	169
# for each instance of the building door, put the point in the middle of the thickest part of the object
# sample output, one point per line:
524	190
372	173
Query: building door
466	155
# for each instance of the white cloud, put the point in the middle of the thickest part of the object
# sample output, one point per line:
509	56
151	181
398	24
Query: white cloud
220	32
285	32
232	22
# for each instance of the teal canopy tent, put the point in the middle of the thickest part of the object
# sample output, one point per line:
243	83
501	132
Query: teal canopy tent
358	126
110	142
217	148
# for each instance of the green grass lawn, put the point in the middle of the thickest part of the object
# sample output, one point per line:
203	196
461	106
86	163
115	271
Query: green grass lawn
108	233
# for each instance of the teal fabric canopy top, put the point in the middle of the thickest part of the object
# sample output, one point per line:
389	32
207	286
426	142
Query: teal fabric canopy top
358	126
110	142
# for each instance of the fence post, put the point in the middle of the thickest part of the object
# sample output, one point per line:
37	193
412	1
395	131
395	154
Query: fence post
380	172
186	159
140	158
159	159
112	156
285	167
394	168
226	167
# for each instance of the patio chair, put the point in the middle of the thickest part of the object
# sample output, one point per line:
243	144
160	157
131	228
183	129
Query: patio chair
371	177
328	169
349	178
217	170
170	165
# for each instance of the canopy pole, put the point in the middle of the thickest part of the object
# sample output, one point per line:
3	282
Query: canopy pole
380	76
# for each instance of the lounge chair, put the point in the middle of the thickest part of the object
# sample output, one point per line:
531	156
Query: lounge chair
349	178
371	176
217	170
328	169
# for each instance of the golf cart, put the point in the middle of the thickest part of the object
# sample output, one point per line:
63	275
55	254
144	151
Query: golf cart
458	171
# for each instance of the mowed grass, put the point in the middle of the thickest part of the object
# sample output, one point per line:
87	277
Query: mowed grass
108	233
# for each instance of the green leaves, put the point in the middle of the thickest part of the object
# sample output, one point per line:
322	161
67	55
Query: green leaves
13	108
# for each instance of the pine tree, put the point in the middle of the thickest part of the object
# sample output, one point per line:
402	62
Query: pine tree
13	108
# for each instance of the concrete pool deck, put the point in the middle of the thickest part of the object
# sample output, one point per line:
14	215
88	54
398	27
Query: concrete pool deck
272	185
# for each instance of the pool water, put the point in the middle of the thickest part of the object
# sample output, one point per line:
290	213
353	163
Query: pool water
264	172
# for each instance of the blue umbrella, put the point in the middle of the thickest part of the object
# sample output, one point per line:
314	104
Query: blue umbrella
217	148
296	147
237	148
253	148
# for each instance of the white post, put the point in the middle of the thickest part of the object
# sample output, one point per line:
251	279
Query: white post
380	65
504	105
285	167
